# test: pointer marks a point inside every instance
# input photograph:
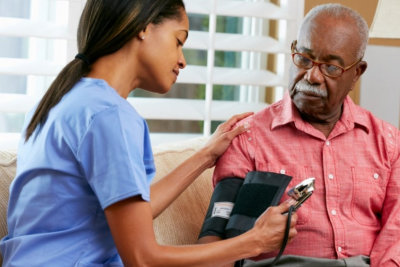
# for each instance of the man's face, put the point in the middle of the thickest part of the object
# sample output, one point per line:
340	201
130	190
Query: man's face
319	98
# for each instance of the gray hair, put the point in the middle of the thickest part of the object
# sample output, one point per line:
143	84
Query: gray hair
340	12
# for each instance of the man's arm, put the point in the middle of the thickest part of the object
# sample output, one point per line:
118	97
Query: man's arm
235	162
229	173
386	250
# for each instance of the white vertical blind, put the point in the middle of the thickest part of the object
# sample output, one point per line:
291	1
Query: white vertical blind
251	76
49	34
47	38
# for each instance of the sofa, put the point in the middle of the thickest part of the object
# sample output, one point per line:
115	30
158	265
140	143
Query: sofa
179	224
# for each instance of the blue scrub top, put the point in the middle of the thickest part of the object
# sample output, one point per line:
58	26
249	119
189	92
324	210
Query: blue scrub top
92	151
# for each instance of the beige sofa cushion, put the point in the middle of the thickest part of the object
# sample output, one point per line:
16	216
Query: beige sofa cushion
7	172
180	223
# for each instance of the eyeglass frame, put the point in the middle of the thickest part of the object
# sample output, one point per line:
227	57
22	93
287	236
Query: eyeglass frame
318	63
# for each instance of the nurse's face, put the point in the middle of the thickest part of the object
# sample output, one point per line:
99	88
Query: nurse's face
161	56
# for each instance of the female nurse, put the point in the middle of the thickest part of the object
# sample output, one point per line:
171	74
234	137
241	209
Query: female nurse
82	195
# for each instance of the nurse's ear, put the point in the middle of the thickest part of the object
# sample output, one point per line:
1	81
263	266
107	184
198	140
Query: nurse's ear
142	34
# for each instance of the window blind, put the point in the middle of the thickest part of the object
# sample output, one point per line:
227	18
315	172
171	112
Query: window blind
38	37
226	54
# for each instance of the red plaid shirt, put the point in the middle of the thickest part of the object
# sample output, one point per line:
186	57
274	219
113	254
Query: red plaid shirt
355	208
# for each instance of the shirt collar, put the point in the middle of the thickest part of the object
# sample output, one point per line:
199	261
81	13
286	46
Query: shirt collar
352	115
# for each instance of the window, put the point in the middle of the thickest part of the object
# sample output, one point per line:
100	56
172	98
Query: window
234	63
36	39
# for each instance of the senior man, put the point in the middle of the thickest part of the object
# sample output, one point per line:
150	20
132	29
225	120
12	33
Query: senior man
353	217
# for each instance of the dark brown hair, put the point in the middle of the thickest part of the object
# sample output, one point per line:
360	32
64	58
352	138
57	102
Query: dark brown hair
105	26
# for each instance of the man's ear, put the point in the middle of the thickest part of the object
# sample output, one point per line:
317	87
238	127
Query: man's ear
362	66
360	69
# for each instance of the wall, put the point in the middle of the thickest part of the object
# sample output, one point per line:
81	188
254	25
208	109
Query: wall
379	89
365	7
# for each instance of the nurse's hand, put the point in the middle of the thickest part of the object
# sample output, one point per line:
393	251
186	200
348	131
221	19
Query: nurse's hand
224	134
270	227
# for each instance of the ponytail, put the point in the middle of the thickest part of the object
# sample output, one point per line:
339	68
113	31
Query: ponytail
63	83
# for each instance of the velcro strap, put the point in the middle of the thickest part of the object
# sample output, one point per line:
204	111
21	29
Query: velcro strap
220	208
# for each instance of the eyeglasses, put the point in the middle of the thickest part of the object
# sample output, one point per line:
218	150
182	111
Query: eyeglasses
327	69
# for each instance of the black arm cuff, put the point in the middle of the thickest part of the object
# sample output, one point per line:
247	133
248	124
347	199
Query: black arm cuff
221	203
260	190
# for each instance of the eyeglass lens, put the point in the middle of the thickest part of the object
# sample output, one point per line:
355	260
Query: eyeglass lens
304	62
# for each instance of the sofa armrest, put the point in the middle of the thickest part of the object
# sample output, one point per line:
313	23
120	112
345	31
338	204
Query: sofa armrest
181	222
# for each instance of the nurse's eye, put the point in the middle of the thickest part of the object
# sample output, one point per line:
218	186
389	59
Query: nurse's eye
179	42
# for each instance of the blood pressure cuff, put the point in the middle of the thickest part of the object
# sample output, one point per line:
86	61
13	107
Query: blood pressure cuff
221	204
259	191
236	204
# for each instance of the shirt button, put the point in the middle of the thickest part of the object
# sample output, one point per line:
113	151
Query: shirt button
339	249
330	176
282	171
249	139
376	176
328	143
333	212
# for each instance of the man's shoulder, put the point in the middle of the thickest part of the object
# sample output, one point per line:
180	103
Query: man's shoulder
372	122
268	113
386	135
273	108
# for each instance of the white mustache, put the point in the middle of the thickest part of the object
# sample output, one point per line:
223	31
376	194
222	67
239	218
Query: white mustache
305	87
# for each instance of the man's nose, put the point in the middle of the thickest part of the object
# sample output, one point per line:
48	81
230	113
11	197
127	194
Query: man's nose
314	75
